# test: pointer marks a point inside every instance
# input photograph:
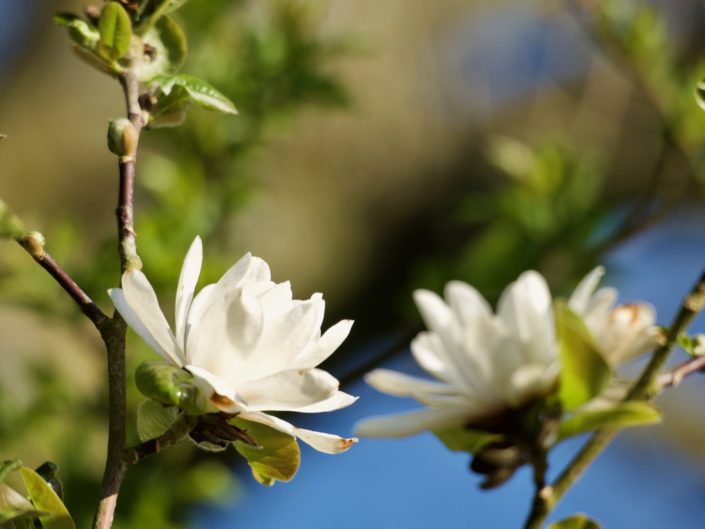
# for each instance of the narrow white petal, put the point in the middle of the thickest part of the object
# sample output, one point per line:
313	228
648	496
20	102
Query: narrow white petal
582	294
411	423
141	298
288	390
336	401
466	302
188	278
525	307
217	384
435	313
246	271
530	381
325	442
134	321
326	346
425	349
401	385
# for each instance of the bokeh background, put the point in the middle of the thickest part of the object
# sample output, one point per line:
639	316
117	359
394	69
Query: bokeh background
380	147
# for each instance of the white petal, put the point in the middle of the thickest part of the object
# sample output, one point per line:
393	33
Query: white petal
525	307
336	401
217	384
435	313
582	294
326	346
246	271
141	298
327	443
133	320
401	385
288	390
530	381
411	423
188	278
466	302
425	349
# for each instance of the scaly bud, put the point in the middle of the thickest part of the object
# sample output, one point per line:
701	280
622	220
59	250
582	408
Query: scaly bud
34	242
122	138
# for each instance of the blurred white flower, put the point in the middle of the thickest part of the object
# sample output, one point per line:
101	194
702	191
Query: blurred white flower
620	332
484	363
246	340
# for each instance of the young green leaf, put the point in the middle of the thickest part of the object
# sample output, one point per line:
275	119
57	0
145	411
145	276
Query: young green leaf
115	31
277	458
167	46
171	386
157	9
81	31
623	415
54	514
584	372
579	521
154	419
459	439
200	92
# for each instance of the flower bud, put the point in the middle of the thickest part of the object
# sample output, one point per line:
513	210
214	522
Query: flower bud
122	138
34	242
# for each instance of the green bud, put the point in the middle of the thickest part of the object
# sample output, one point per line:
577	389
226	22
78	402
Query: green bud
122	138
34	242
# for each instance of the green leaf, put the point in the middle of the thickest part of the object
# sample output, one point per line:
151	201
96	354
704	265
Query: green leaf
623	415
157	9
115	31
277	458
168	47
200	92
579	521
584	372
6	467
171	386
154	419
81	31
54	514
460	439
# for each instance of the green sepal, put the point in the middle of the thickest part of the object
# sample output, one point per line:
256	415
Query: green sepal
578	521
169	48
171	386
54	513
276	459
623	415
154	419
199	91
584	372
461	439
115	31
80	31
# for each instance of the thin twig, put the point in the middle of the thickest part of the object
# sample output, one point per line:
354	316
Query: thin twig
645	388
678	373
36	249
116	464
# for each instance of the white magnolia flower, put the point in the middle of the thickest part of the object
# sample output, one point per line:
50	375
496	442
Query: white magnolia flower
246	340
620	332
484	363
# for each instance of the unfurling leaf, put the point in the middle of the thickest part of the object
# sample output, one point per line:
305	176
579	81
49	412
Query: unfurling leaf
54	513
584	372
154	419
277	458
155	11
460	439
199	91
171	386
623	415
579	521
115	31
81	31
165	50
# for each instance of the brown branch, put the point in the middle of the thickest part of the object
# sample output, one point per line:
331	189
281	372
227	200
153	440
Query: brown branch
33	242
674	376
116	464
